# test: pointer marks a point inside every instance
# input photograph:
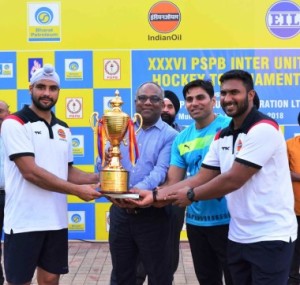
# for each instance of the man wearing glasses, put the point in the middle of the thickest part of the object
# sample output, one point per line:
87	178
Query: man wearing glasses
144	232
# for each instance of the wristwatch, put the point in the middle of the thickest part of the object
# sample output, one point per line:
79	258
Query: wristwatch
190	194
154	194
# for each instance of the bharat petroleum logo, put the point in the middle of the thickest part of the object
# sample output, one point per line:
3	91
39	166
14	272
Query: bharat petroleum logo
75	142
73	66
44	16
283	19
164	17
76	218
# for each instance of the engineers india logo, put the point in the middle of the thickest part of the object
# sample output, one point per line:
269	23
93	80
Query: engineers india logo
283	19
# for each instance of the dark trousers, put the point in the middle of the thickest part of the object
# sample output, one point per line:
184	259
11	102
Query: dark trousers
176	223
2	203
261	263
209	252
142	234
294	270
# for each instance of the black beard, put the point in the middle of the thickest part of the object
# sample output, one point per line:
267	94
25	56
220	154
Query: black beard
40	106
168	118
241	110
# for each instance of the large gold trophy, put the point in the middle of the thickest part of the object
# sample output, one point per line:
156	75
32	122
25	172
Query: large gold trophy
112	127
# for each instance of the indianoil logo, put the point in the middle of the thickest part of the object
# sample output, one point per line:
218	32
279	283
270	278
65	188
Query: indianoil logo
239	145
61	133
164	17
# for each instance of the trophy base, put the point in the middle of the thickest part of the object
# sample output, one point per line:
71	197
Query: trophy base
114	181
121	195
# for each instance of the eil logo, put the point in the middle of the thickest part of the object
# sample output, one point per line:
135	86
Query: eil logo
283	19
164	17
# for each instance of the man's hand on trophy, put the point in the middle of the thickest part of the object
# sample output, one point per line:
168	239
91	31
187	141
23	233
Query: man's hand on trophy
88	192
180	197
160	204
150	197
122	203
145	198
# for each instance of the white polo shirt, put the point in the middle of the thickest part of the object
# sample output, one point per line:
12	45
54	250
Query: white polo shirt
27	206
263	208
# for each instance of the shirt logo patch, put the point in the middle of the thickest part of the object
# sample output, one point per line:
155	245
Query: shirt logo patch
239	145
61	133
187	146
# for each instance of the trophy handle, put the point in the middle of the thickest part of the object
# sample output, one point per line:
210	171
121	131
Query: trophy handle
137	116
94	121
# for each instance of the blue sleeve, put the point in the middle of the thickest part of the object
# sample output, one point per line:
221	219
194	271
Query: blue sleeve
159	172
176	158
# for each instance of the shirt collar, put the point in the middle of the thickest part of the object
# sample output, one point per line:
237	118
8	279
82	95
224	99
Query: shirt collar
246	123
159	124
31	114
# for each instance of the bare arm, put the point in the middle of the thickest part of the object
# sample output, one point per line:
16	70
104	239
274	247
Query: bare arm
77	176
48	181
224	183
295	176
168	194
202	177
175	175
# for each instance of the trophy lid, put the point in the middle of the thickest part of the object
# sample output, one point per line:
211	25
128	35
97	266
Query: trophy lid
116	102
116	111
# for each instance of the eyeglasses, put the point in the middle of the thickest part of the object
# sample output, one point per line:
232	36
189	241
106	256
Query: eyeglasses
153	99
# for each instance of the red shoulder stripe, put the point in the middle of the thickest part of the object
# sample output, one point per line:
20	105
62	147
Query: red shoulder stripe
217	136
270	122
13	117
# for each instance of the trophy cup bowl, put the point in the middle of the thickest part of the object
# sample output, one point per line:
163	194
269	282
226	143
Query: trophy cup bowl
115	127
114	178
112	127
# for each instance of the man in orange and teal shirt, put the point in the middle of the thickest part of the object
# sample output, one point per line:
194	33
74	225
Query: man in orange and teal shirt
293	148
